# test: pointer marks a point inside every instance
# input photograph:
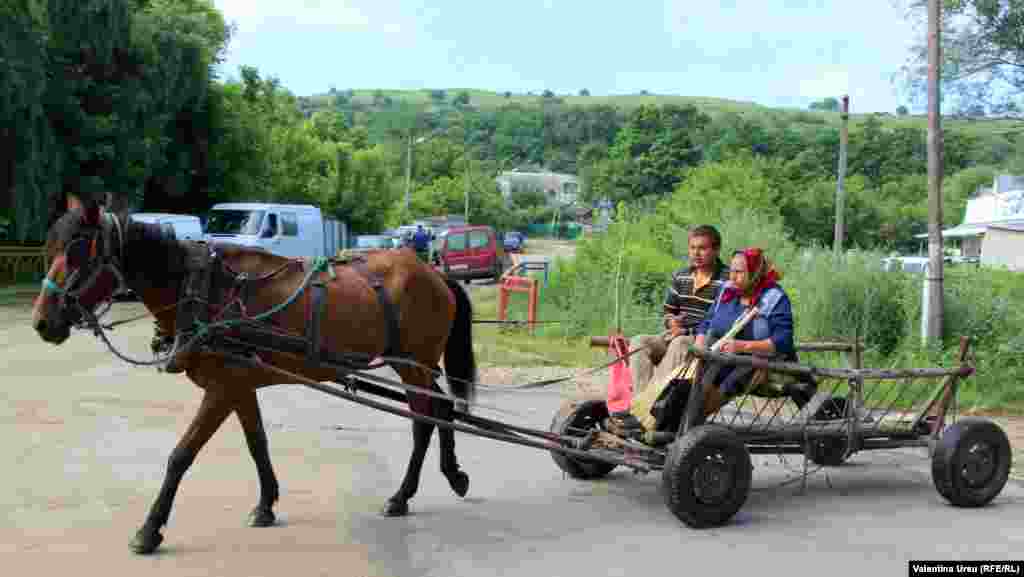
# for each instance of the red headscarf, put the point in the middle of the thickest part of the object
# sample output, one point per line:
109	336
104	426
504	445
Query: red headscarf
762	275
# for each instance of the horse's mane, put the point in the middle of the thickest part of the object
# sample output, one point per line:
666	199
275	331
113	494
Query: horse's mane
152	255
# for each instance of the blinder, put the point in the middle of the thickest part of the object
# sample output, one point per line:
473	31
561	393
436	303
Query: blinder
92	271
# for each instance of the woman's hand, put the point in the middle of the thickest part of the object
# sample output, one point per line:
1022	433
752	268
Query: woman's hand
735	347
731	346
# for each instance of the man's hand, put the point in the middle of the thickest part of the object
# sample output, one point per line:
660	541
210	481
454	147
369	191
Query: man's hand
675	328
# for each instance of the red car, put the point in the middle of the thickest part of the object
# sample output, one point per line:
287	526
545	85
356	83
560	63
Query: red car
468	252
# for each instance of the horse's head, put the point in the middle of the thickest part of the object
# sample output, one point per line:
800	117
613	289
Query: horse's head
84	248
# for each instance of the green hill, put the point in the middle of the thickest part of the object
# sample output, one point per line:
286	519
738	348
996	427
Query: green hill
1007	128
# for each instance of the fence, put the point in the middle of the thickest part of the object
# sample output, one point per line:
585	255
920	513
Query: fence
567	231
22	263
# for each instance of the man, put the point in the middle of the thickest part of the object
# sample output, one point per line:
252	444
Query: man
421	243
692	291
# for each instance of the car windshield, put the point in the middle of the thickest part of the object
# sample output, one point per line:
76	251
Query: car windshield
234	222
374	242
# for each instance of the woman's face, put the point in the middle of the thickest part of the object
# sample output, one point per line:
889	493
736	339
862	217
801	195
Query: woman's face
738	273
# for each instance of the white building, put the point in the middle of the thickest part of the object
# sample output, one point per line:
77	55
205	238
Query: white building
993	227
558	189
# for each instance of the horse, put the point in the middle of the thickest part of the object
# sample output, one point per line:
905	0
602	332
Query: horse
390	303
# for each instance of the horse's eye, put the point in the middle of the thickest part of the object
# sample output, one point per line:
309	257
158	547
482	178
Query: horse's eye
77	253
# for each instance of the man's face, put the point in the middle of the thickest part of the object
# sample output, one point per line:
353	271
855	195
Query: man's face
702	254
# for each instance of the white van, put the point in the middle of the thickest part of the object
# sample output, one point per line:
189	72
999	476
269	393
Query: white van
911	264
186	227
289	230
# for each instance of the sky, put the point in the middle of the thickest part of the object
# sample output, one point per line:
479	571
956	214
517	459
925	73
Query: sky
776	53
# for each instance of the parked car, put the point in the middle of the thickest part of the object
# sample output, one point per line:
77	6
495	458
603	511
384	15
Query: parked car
919	264
185	226
290	230
368	242
514	241
912	264
468	252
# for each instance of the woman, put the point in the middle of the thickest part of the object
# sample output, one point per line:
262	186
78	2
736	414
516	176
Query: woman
753	282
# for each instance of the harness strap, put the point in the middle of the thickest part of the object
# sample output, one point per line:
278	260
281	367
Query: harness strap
201	263
313	315
391	347
317	301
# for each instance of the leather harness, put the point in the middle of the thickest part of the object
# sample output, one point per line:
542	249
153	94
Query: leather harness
210	284
315	311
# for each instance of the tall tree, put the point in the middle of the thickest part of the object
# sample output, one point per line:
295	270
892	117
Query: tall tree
982	52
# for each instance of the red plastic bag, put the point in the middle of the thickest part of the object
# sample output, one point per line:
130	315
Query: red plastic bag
620	387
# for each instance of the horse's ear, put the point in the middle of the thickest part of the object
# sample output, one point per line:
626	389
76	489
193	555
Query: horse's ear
59	206
90	212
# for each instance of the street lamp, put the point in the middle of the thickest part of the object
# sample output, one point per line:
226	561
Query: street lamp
408	166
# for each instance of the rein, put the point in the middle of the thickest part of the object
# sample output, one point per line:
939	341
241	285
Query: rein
201	329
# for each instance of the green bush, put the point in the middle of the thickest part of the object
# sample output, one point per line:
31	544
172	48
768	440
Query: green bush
583	291
846	298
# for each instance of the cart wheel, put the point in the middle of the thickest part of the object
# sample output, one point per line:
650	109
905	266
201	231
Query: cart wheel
707	476
829	451
971	462
576	420
831	410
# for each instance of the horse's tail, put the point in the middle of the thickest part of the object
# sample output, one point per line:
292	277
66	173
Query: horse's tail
459	360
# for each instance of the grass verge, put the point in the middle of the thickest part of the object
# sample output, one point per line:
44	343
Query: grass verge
17	294
505	345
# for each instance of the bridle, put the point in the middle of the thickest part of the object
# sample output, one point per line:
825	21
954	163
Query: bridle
89	253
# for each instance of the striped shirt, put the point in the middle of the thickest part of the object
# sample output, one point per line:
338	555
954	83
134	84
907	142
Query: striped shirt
687	303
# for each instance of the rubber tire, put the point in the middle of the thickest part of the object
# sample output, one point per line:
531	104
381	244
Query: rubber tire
945	462
684	454
829	451
584	415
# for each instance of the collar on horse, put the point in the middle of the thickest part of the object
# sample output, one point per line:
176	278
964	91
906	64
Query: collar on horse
212	287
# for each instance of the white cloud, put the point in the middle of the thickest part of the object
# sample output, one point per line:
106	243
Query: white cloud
276	25
829	81
382	16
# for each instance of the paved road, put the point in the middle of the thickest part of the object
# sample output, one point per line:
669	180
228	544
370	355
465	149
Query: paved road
84	439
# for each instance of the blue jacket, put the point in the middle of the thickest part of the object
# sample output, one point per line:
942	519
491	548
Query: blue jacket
421	240
774	320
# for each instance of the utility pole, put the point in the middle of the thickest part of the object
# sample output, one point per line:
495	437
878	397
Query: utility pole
844	138
408	173
934	306
467	184
465	157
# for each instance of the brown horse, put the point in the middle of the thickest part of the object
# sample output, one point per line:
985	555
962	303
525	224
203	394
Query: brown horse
91	252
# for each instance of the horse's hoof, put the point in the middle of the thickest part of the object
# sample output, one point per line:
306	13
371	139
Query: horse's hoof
146	541
459	483
262	517
396	508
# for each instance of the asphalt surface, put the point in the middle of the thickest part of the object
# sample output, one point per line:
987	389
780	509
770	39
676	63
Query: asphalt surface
84	440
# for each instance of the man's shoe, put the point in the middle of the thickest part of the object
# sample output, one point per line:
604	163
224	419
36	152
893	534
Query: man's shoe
624	424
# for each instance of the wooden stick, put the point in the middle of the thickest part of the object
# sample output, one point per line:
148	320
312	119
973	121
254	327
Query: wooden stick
835	373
